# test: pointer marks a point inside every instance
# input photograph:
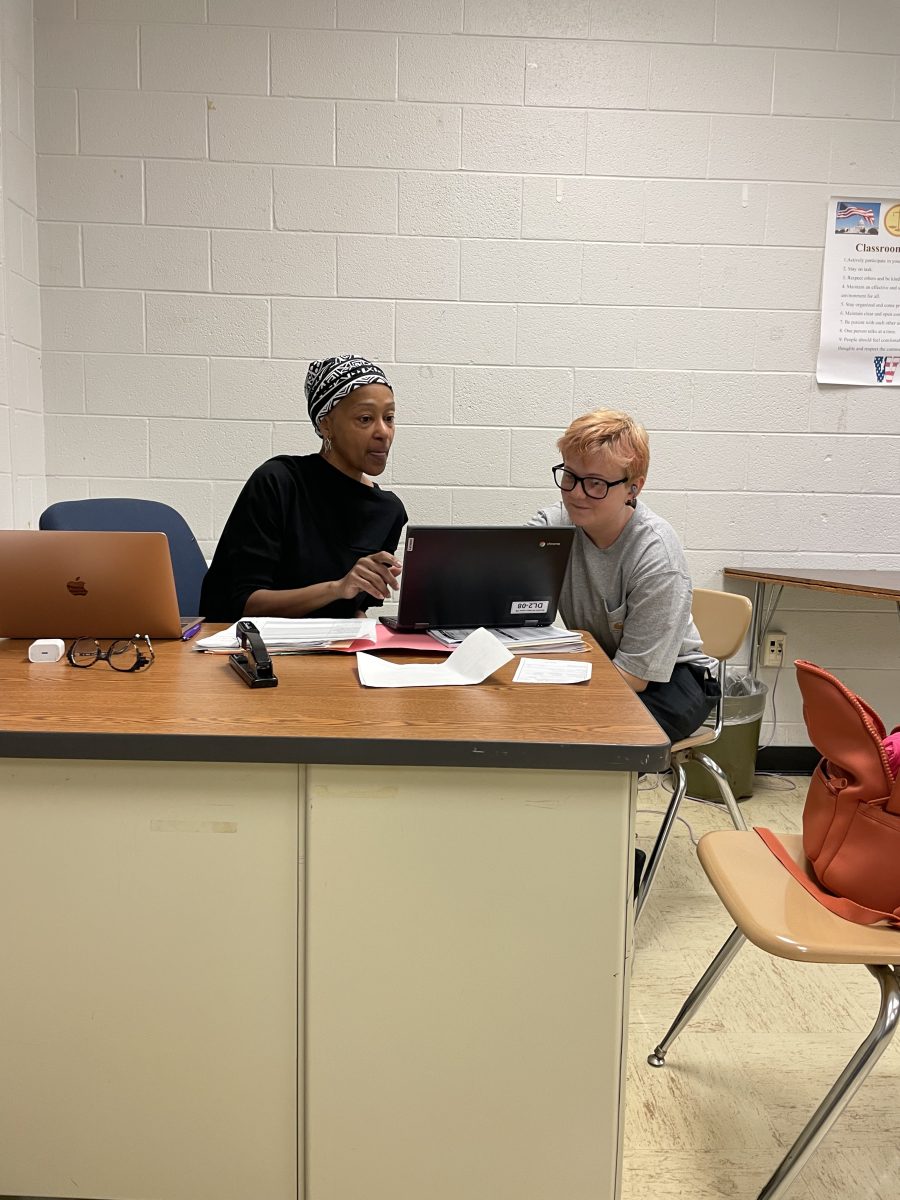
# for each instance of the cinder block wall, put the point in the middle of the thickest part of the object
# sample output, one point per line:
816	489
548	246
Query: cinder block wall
523	208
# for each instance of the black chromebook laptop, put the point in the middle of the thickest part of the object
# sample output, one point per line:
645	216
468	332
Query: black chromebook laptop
460	577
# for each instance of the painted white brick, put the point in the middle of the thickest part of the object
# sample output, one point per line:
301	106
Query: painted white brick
468	69
30	267
747	401
838	463
55	121
146	385
529	18
130	256
272	263
760	277
757	523
18	173
497	506
294	14
769	148
335	200
878	32
334	64
582	209
541	272
224	496
12	249
455	333
80	445
299	437
634	274
451	456
719	459
695	339
398	267
69	54
18	37
60	254
653	21
28	449
426	505
523	139
709	212
88	189
268	129
575	336
658	399
229	325
863	151
532	455
25	377
586	74
795	215
785	341
810	24
264	389
26	110
514	396
711	79
219	449
424	393
308	329
408	16
672	507
217	195
142	10
204	58
398	135
830	523
853	409
153	124
805	84
647	144
74	319
63	379
54	10
448	205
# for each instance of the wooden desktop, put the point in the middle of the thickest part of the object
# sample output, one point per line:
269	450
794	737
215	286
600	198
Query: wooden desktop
313	941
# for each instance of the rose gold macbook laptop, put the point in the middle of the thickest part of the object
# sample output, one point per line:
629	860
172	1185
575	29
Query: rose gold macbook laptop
67	584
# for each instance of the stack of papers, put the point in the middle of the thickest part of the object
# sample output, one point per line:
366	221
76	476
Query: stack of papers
294	636
525	639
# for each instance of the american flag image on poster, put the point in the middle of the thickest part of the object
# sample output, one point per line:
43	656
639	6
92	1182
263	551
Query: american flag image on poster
850	210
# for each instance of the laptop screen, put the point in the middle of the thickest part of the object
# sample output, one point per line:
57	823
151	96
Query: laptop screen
493	575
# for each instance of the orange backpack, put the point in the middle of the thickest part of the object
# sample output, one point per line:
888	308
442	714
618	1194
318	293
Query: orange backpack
851	819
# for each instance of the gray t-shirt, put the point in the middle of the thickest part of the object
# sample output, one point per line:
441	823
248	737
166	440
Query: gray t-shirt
634	596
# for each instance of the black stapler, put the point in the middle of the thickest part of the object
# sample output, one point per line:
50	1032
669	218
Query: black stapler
255	670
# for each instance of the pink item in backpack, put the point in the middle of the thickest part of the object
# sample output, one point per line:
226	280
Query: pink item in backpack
892	749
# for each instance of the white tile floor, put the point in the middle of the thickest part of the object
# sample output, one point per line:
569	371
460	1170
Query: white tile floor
742	1080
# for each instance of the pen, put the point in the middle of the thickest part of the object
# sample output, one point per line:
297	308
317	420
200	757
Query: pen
191	630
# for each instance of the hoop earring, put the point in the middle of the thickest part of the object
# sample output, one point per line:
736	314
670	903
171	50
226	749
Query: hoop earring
326	445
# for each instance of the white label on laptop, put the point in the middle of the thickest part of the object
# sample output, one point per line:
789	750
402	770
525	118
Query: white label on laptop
518	607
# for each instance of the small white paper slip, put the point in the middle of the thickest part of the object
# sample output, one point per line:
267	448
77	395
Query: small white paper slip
473	660
534	670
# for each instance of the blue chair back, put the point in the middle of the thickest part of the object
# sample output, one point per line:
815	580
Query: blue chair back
125	515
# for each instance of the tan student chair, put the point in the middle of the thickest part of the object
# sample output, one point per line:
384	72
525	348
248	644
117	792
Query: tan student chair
771	908
723	620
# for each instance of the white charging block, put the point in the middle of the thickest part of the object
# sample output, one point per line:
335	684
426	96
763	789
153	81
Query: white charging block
46	650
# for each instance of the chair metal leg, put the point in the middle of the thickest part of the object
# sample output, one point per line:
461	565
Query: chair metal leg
702	988
724	787
679	780
846	1086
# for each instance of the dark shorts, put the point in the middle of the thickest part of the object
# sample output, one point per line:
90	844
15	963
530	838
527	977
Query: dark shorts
682	705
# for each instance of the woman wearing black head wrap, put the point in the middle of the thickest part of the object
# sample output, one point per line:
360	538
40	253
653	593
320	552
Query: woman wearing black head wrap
312	535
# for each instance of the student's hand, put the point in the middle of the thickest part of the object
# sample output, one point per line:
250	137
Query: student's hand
375	574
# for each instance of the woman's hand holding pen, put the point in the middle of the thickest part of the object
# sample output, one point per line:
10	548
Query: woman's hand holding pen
375	574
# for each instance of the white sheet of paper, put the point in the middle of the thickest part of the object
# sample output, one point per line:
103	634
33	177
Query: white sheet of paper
471	662
286	631
533	670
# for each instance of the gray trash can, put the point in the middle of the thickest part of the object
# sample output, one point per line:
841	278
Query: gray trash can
735	751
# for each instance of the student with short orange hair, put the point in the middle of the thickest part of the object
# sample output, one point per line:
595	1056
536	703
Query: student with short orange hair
627	581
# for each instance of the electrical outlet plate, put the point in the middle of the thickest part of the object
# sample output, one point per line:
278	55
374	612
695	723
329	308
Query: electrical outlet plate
773	650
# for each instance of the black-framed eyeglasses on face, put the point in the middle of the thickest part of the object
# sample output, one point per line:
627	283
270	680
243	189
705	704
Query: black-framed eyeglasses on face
591	485
125	654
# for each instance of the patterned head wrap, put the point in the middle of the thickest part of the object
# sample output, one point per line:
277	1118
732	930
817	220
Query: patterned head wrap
329	380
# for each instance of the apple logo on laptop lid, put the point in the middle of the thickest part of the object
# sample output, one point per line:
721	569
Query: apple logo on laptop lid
77	586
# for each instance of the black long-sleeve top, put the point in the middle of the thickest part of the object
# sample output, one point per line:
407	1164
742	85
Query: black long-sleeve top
298	521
